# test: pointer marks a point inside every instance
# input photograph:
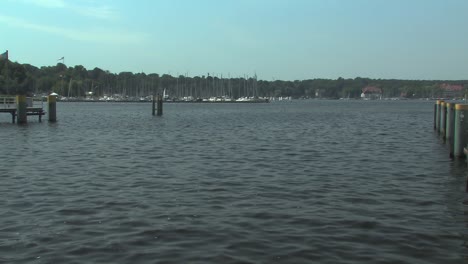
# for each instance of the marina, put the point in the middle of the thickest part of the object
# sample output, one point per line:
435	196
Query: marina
186	99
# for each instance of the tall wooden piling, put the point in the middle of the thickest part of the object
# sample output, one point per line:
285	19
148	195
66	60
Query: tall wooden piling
437	116
449	125
52	107
154	105
21	109
460	130
443	118
160	105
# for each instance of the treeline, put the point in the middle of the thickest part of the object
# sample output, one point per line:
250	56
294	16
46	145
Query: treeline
78	81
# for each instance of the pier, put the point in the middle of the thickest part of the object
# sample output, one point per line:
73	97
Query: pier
20	107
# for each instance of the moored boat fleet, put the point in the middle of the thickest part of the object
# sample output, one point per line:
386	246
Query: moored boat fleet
185	99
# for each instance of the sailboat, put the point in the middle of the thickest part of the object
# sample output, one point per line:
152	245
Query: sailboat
69	88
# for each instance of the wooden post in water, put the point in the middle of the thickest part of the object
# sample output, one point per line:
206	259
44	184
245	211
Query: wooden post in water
449	128
460	130
21	109
52	106
437	116
443	116
154	105
160	105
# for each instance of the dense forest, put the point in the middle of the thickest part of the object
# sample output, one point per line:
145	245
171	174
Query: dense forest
78	81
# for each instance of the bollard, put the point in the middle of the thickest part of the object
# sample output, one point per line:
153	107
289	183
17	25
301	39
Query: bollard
449	127
160	105
154	105
437	116
460	130
21	109
443	116
52	106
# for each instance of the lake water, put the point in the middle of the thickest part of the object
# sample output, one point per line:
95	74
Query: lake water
291	182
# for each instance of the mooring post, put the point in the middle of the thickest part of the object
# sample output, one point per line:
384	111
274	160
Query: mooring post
460	130
449	126
437	115
443	116
160	105
52	106
21	109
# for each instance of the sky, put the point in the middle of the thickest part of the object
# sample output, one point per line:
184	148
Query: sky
274	39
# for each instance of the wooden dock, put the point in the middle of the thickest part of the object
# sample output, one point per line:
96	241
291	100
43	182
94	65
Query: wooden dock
8	105
31	111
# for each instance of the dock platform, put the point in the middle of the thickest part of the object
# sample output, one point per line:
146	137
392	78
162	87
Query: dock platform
8	105
31	111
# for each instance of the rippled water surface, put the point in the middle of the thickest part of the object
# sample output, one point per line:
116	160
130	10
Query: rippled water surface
296	182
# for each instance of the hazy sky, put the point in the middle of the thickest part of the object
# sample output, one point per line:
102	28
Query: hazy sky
276	39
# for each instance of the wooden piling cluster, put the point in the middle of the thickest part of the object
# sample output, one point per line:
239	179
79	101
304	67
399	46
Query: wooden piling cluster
52	106
157	103
21	109
451	123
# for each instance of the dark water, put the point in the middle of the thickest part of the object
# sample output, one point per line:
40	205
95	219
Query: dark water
298	182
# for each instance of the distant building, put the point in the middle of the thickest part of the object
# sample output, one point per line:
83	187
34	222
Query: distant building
452	90
318	93
371	92
89	95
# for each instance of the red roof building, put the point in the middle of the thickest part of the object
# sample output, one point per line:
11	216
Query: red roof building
371	90
452	90
451	87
